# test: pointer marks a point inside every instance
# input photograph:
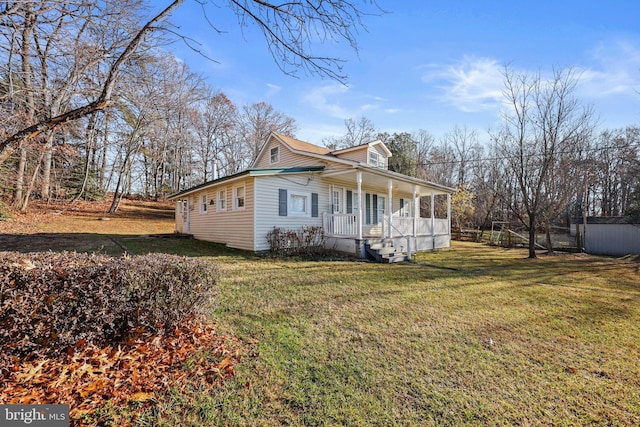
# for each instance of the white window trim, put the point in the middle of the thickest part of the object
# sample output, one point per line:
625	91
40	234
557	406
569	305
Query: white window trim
203	204
380	159
235	197
342	202
271	161
307	203
222	202
405	211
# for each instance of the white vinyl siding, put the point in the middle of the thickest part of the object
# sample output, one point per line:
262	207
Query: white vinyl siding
268	190
359	155
233	228
286	158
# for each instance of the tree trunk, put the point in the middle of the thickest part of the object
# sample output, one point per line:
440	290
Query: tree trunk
90	137
25	202
532	237
548	237
22	166
45	188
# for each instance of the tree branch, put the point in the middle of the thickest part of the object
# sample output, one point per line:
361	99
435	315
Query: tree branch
100	103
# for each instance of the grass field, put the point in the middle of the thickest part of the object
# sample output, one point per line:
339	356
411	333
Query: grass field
473	335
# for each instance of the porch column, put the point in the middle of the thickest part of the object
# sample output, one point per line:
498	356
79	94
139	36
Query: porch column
416	210
433	218
359	217
390	207
449	214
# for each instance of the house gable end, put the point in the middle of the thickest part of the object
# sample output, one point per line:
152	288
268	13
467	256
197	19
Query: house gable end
374	154
284	152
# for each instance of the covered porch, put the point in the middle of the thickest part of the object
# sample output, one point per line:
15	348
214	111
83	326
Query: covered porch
387	205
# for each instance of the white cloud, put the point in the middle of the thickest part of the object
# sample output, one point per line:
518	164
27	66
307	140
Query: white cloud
616	70
326	99
273	90
342	102
471	85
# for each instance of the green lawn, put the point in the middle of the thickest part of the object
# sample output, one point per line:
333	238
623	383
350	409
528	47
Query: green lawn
472	335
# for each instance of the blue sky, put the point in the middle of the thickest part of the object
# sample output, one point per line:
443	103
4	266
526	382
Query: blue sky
431	64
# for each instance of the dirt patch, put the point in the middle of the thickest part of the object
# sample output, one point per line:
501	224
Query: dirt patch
42	242
83	226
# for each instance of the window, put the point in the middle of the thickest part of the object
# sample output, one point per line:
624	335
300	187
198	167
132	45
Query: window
376	159
299	203
238	198
352	204
378	208
203	204
222	200
274	155
405	208
374	208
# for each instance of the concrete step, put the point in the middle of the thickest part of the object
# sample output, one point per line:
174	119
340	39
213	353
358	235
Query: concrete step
392	258
386	241
381	247
382	250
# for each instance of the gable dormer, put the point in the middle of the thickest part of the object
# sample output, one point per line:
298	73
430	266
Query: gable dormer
374	154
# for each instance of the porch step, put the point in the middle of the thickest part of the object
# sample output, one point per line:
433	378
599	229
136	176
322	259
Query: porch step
395	257
382	250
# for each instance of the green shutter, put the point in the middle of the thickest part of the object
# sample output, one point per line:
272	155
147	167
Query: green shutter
314	205
367	199
349	201
375	208
282	202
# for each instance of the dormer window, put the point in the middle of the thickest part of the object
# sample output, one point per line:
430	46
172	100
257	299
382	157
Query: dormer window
274	155
377	160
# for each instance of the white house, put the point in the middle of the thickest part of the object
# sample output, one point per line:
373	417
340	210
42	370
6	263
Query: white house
349	192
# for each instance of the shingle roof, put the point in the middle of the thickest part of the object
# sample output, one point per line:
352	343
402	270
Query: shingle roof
298	145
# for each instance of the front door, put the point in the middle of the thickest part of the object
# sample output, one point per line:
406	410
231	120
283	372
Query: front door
336	200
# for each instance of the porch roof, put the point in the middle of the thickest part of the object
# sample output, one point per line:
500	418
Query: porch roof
378	177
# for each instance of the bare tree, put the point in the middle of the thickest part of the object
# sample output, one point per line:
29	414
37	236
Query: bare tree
214	128
291	30
542	132
617	155
425	142
464	143
257	121
357	132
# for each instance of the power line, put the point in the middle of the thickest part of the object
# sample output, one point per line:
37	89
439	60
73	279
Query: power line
635	145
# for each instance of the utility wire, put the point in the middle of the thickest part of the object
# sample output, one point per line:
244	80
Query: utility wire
632	145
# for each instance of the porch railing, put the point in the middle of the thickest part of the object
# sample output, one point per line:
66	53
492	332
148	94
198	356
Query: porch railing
345	225
340	225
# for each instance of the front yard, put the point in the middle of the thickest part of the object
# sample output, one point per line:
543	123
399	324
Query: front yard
473	335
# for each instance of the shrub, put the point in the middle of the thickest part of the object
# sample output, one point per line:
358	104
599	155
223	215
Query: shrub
52	301
306	240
